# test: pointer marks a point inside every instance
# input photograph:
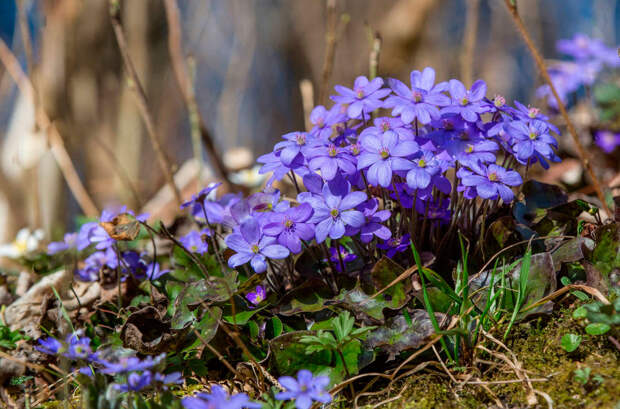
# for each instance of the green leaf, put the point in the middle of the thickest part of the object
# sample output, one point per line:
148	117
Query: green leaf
570	342
582	375
274	327
580	313
597	328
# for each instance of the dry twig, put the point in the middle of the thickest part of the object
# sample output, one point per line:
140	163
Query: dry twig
141	101
54	138
183	77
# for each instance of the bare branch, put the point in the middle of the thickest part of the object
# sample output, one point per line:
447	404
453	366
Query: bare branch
53	136
141	100
183	77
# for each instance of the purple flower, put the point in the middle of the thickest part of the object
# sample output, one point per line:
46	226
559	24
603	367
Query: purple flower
422	170
95	262
174	378
364	98
467	103
347	257
155	271
272	163
491	181
372	225
219	399
194	242
581	47
395	245
130	364
290	148
49	346
205	209
385	123
607	140
256	296
251	245
69	242
290	226
323	120
135	382
384	154
78	347
421	101
305	389
333	212
532	139
101	237
329	159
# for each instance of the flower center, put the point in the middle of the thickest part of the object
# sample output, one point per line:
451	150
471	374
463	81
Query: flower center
385	126
394	242
288	223
360	93
533	112
533	135
255	248
469	148
464	101
331	150
384	153
301	139
417	96
493	177
355	149
499	101
422	163
334	213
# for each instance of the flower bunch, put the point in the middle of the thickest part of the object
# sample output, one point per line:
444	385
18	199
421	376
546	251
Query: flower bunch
588	58
133	374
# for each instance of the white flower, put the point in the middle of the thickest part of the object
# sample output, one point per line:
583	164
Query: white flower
25	242
249	177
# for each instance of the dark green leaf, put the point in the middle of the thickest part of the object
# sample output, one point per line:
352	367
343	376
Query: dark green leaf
570	342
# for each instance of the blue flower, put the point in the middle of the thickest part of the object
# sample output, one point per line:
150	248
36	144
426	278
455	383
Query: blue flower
130	364
135	382
467	103
205	209
219	399
332	213
291	226
395	245
69	242
384	154
491	182
532	140
256	296
372	225
49	345
251	245
329	159
194	242
305	389
364	98
323	120
422	170
421	100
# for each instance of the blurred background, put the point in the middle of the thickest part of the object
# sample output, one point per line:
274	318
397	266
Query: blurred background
256	68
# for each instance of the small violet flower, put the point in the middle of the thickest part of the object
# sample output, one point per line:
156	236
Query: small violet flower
219	399
305	389
467	103
491	181
291	226
364	98
256	296
384	154
251	245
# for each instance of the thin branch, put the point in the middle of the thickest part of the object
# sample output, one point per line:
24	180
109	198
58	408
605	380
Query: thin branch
54	138
469	41
375	51
141	100
120	171
182	73
540	63
331	39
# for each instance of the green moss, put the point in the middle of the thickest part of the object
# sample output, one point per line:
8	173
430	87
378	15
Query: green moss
536	345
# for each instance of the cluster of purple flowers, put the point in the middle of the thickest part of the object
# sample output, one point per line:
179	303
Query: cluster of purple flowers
352	161
137	374
303	390
105	255
589	57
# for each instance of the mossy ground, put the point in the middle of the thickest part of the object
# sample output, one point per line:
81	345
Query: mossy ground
536	345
